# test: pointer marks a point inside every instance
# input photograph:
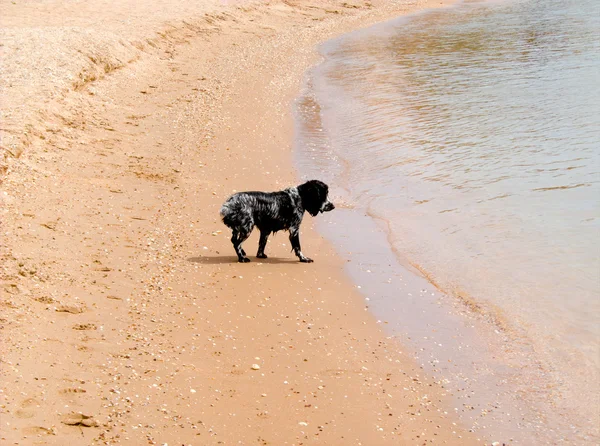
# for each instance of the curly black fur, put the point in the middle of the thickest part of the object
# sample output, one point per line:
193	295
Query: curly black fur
272	212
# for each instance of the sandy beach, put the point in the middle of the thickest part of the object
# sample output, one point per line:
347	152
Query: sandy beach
124	316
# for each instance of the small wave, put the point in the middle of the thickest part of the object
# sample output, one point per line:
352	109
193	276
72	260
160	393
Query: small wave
498	197
539	189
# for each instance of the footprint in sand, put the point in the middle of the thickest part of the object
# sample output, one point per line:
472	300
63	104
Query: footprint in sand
39	430
85	327
44	300
71	308
71	390
24	413
29	402
26	410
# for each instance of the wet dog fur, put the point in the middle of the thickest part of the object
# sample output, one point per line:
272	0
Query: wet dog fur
271	212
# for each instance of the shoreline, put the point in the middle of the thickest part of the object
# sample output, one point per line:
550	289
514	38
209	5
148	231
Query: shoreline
452	338
522	393
121	299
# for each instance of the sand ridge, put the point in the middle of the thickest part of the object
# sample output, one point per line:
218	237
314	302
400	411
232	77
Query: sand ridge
125	319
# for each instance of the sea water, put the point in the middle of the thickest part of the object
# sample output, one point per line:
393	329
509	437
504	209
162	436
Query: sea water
471	137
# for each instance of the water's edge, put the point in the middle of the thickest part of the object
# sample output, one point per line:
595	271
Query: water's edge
501	385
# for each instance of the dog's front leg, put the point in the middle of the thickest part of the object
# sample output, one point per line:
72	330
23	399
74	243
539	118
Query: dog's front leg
295	241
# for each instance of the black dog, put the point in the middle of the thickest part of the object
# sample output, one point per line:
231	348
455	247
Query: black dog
272	212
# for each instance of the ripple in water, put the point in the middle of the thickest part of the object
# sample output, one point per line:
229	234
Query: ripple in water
475	134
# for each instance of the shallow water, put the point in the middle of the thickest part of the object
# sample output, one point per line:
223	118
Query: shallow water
472	136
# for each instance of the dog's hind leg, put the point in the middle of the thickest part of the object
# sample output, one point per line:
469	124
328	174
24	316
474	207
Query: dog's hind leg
264	235
235	243
295	241
237	239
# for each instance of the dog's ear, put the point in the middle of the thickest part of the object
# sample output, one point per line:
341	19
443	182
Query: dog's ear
313	194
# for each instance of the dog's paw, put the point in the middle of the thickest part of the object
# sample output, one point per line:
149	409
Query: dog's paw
244	260
261	256
306	260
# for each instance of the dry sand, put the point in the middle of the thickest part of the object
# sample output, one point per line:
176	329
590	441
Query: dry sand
123	131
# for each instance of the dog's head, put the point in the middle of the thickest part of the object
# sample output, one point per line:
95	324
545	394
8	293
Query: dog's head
314	197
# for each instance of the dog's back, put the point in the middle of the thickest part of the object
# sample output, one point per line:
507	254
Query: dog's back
245	209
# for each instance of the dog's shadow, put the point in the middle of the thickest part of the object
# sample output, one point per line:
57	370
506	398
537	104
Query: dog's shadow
220	260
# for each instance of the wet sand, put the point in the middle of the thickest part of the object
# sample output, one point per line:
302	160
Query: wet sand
121	298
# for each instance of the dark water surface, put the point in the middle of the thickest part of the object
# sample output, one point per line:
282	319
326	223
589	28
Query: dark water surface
466	145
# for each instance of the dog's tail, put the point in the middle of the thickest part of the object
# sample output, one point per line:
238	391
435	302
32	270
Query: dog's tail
229	211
